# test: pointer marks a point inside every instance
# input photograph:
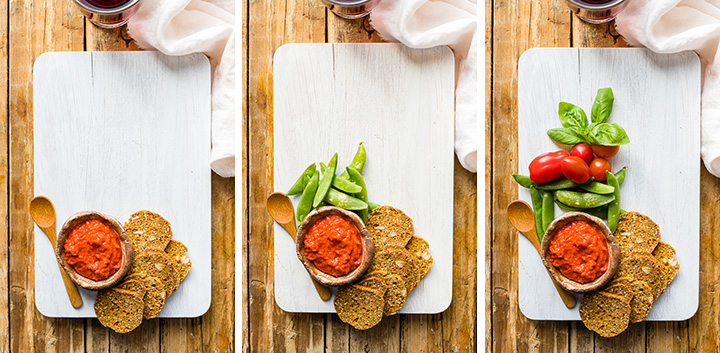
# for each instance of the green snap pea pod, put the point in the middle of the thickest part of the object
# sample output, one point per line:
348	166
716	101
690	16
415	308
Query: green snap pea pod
622	211
537	208
358	161
323	204
343	200
346	185
600	212
306	199
548	212
323	166
598	188
620	175
614	206
559	184
523	180
583	199
372	205
302	180
356	177
326	181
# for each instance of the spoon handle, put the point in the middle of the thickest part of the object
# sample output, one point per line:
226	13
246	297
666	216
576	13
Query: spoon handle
566	296
323	291
70	287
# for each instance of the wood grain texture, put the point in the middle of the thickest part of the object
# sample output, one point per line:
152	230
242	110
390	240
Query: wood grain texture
263	319
4	183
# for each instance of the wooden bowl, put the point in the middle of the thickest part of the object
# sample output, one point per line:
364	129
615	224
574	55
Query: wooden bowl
125	246
613	252
367	244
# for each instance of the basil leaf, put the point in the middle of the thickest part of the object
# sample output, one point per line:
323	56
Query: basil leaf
608	135
602	107
572	116
566	136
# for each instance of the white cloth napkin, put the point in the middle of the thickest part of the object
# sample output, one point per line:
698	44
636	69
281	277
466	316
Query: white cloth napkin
430	23
670	26
180	27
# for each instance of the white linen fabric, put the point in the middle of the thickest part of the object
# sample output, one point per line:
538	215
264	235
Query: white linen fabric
430	23
180	27
670	26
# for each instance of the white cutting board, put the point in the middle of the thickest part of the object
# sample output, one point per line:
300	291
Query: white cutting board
328	98
118	132
657	101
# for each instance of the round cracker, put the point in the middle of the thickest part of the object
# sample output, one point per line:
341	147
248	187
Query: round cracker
636	232
175	247
395	294
664	253
148	231
388	226
157	264
644	267
358	306
642	301
606	314
136	286
154	299
374	282
118	310
182	266
397	260
418	247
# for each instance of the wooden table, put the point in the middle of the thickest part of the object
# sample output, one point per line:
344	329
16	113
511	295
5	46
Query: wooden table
268	24
517	26
28	29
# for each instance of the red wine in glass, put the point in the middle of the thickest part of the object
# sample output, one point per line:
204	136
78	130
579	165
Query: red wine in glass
108	13
105	4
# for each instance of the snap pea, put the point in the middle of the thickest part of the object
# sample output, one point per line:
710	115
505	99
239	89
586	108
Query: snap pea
372	205
323	204
559	184
358	161
598	188
302	180
355	176
548	212
346	185
326	181
306	199
622	211
523	180
620	175
614	206
343	200
537	207
583	199
600	212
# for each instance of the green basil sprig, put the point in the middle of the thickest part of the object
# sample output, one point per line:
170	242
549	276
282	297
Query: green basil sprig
576	128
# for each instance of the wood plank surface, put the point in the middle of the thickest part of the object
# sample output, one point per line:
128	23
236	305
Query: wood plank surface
511	32
30	28
269	328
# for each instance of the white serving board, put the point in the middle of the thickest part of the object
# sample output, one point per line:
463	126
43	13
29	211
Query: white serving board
657	101
330	97
118	132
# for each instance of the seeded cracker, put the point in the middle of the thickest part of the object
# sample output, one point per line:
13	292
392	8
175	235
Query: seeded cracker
664	253
154	299
395	260
636	232
388	226
622	290
418	247
119	310
642	301
148	230
157	264
182	266
394	295
606	314
644	267
175	247
136	286
359	306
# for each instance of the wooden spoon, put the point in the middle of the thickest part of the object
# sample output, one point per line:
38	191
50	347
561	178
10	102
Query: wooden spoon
522	218
281	210
43	213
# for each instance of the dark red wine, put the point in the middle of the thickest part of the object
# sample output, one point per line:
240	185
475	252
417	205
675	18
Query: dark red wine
593	2
104	4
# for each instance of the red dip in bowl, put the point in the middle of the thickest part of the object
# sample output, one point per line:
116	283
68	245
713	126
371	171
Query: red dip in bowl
93	249
579	251
333	245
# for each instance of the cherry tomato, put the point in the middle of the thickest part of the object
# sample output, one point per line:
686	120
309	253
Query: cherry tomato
584	151
605	151
546	167
598	166
575	169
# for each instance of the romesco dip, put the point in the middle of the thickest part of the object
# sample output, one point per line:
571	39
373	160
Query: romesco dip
579	251
93	249
333	245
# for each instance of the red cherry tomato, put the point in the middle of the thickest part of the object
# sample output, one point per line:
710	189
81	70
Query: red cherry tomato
605	151
598	166
575	169
546	167
584	151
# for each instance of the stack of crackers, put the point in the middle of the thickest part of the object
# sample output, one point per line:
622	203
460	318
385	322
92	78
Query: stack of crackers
646	268
401	259
159	265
